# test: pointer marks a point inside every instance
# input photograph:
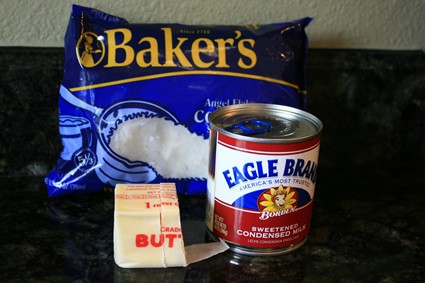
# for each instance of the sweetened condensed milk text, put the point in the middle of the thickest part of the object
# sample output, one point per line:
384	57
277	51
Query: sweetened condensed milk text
263	171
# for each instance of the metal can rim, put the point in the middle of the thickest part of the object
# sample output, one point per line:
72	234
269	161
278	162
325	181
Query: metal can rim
275	107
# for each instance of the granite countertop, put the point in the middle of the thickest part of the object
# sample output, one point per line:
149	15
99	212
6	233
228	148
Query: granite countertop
368	226
368	220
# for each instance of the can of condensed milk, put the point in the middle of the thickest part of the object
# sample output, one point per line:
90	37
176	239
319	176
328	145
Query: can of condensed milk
262	175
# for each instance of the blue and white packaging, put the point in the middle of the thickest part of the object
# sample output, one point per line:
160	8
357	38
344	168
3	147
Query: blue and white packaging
135	98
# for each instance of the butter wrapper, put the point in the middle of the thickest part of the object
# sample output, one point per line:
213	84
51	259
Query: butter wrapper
147	229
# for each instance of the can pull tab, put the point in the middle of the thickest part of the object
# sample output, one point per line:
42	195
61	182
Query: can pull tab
249	127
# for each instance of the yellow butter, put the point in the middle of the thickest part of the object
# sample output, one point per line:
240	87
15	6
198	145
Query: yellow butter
147	229
171	227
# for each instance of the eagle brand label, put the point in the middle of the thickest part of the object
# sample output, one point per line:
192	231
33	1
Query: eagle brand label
261	192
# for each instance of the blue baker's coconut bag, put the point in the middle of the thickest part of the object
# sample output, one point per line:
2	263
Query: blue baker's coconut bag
135	98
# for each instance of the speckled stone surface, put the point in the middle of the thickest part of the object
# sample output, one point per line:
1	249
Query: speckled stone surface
367	227
369	212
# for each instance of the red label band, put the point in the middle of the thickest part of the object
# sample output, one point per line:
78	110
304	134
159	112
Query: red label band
261	229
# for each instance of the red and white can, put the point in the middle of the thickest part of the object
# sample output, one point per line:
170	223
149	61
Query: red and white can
262	175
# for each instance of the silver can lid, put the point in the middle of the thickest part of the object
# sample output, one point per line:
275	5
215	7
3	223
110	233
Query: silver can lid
265	123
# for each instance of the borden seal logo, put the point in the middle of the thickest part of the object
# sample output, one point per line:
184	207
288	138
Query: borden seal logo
277	202
90	50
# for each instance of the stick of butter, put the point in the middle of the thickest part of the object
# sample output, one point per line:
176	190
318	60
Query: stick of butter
147	229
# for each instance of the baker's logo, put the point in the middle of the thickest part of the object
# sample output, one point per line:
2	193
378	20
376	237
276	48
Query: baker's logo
168	50
90	49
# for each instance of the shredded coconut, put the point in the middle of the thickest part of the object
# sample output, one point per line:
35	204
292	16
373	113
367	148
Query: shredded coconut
170	149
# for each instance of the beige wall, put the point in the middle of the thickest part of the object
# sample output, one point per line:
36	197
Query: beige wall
363	24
